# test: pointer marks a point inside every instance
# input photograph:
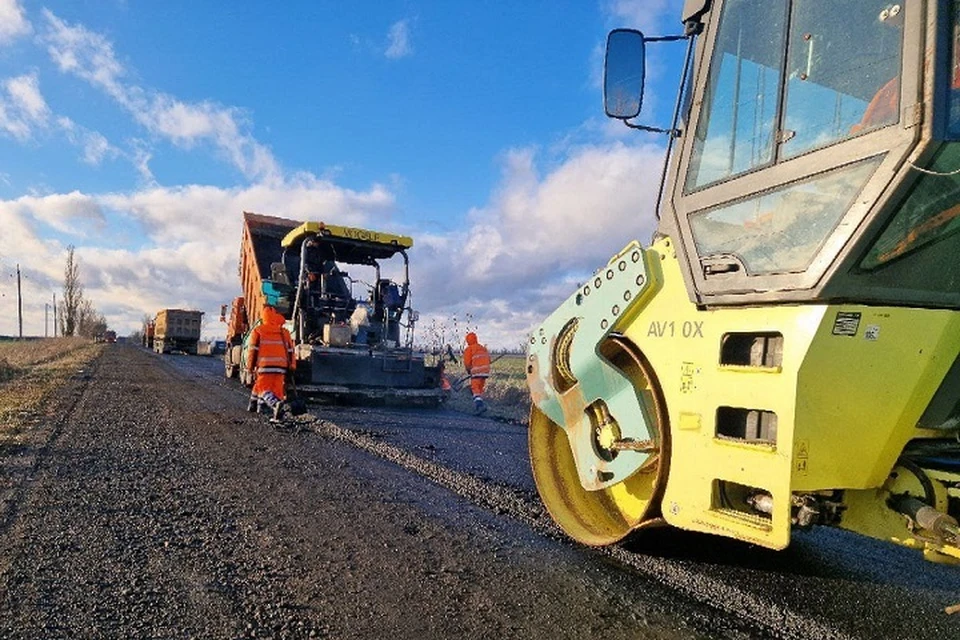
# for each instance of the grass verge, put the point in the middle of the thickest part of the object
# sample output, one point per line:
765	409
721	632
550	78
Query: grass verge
506	394
31	370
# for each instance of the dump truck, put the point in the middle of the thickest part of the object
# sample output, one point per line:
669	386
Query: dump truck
177	330
148	332
784	353
345	294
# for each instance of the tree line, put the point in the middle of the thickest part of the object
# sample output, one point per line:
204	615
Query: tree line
76	315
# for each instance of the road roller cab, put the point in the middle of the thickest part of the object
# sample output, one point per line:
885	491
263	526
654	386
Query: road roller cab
785	353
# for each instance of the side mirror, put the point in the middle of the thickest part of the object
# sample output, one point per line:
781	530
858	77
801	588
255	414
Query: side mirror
624	69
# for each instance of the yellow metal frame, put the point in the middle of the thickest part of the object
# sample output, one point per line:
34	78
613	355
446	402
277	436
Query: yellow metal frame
847	400
347	233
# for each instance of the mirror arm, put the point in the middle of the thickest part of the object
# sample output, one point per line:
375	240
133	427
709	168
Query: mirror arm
666	38
642	127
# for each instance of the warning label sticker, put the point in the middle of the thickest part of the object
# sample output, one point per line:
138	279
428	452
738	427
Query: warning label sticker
847	323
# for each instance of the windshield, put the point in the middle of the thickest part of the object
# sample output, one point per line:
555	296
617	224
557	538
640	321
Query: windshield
841	78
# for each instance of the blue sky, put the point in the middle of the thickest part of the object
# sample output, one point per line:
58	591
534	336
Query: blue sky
139	131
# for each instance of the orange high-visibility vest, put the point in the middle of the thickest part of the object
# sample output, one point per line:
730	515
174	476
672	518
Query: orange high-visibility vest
271	350
476	360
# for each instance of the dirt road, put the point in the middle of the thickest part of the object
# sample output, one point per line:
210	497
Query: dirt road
148	503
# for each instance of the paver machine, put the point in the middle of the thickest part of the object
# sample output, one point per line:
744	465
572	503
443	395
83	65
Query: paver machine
785	352
352	329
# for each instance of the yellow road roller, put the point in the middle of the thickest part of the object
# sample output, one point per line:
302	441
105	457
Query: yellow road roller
786	352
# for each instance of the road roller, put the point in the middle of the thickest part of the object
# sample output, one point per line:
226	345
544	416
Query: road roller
785	352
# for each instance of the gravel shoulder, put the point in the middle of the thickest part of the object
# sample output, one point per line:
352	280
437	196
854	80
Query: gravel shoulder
152	505
145	502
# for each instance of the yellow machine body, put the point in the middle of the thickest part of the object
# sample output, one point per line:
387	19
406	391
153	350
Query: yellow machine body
787	351
846	394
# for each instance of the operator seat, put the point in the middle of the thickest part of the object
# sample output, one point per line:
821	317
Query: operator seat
883	109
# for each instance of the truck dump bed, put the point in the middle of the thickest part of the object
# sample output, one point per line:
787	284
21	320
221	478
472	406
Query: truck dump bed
177	330
260	247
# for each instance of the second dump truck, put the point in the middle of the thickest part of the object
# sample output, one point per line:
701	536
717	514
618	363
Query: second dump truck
353	330
177	330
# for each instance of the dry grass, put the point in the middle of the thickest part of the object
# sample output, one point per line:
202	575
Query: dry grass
506	394
30	370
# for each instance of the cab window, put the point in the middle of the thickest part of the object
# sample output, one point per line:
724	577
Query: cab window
929	214
840	78
737	130
843	71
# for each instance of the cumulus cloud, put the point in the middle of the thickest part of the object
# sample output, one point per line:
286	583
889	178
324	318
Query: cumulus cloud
541	234
189	237
547	226
13	24
90	56
398	40
73	213
554	217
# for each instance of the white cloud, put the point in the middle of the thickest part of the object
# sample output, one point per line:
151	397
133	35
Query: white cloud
554	217
647	15
398	40
12	22
94	144
189	238
24	92
24	112
542	231
96	148
22	107
89	56
140	156
71	213
540	234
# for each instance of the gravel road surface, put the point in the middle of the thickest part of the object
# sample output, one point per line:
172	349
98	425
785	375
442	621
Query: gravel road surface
148	503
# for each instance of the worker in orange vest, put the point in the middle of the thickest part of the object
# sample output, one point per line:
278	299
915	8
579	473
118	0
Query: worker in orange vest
476	360
270	355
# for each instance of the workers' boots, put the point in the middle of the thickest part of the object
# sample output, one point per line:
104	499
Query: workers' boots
252	404
278	411
478	406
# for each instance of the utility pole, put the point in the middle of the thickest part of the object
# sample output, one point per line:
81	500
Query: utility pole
19	303
54	315
46	319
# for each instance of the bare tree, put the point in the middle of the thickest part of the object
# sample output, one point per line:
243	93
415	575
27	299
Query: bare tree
70	306
90	323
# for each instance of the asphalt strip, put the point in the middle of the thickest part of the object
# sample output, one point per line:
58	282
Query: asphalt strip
774	618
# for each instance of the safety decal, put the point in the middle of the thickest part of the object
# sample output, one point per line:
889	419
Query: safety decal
688	377
871	332
846	323
801	456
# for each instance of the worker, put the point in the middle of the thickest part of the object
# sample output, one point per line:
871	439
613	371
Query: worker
271	357
476	361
